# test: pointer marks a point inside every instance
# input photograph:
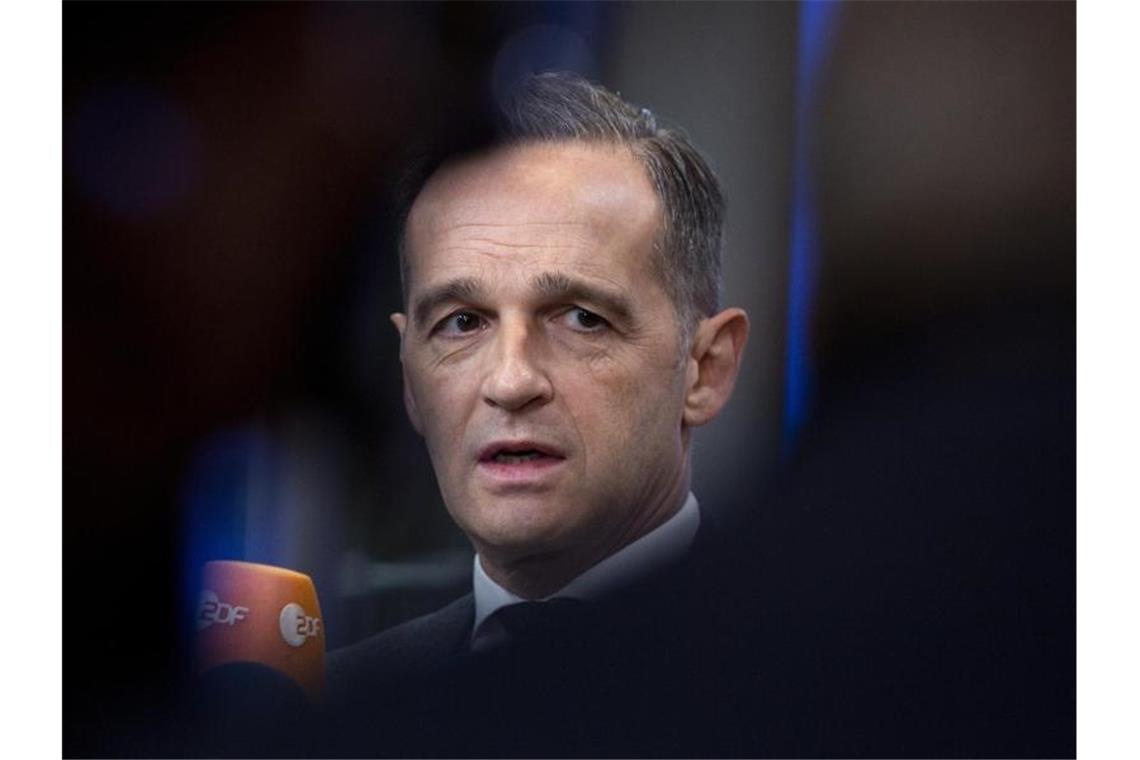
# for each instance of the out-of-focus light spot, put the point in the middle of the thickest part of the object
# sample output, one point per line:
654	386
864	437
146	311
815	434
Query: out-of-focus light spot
816	27
132	149
228	470
543	47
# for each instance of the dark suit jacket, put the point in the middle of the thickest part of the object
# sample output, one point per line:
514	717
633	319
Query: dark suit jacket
423	645
623	679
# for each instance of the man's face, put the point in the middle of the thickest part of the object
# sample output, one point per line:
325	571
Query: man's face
541	353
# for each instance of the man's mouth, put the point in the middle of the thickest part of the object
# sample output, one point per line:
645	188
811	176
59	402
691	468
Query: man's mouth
511	457
509	452
509	465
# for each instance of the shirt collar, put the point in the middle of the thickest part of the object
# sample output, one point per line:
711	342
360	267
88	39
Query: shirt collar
657	548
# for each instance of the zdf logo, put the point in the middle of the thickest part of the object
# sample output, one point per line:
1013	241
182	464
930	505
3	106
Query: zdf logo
212	610
296	625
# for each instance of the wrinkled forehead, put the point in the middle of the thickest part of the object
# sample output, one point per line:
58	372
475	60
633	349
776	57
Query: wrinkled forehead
596	196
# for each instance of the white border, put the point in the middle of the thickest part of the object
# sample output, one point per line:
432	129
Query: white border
1108	347
31	382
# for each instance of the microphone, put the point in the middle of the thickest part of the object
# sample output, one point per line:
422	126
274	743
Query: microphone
260	659
250	613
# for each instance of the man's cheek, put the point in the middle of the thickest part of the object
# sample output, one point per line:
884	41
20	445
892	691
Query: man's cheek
443	427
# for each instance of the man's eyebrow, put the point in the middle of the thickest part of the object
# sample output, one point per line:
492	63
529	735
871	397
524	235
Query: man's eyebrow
463	289
555	285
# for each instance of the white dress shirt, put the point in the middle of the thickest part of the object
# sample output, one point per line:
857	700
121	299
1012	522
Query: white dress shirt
657	548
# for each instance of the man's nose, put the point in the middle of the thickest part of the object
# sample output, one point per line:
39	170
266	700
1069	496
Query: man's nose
516	377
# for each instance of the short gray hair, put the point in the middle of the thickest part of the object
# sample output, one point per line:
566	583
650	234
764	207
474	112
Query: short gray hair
552	107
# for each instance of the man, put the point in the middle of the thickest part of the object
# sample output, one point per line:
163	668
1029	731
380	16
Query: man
561	342
903	589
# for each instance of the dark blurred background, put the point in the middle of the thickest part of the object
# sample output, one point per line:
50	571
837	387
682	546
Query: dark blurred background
901	230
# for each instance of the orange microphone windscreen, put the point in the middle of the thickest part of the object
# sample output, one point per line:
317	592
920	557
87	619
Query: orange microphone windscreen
250	613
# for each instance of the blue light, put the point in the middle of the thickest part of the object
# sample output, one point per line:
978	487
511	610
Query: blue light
816	24
217	489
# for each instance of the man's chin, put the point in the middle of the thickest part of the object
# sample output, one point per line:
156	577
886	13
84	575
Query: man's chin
523	523
536	535
517	543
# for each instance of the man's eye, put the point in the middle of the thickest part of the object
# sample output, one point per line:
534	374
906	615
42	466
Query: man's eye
584	321
460	323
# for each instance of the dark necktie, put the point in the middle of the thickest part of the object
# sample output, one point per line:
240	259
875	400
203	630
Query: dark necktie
540	621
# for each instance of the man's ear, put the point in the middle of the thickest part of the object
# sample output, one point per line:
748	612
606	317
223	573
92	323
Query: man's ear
401	323
714	363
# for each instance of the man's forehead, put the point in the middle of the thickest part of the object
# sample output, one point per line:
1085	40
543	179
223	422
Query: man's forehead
549	184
